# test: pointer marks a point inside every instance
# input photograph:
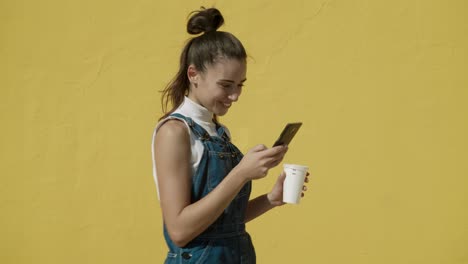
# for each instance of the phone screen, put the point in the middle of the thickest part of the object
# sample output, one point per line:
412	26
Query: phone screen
287	134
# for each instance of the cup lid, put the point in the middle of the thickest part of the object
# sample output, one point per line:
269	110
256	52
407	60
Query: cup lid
296	166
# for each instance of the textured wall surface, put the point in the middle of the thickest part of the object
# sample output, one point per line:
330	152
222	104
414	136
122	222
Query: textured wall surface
381	88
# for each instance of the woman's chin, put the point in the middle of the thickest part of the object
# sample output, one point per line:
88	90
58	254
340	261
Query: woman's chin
221	111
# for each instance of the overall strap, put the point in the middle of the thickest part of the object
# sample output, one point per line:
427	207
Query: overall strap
199	131
221	131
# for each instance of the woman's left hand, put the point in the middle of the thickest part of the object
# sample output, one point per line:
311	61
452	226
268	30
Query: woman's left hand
275	197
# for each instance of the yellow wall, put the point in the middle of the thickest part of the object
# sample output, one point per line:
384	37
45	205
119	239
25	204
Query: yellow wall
381	88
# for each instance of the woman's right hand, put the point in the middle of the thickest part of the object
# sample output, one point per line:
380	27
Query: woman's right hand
258	160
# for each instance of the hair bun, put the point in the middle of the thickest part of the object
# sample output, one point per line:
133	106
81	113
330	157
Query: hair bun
205	20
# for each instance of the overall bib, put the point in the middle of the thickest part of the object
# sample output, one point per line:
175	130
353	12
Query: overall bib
225	241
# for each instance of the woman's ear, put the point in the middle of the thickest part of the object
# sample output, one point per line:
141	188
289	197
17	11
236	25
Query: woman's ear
192	74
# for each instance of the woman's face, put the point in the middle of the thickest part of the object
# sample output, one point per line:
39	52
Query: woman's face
218	86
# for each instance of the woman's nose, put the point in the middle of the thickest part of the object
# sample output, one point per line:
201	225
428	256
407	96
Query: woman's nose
234	97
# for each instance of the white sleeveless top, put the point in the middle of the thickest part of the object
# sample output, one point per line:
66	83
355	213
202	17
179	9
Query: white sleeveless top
201	116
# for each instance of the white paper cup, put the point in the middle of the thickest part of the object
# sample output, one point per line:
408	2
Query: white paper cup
292	187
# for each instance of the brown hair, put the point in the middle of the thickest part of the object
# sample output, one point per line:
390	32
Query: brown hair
201	51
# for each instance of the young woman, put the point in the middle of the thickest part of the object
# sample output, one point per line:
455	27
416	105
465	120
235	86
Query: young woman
203	180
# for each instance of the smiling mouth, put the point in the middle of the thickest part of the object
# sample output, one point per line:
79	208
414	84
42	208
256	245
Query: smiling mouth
227	104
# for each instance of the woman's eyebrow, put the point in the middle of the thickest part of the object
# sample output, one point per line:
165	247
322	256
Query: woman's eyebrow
231	81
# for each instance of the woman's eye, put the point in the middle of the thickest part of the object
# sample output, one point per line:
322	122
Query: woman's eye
225	85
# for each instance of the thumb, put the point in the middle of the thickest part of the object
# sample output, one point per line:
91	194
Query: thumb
281	177
258	148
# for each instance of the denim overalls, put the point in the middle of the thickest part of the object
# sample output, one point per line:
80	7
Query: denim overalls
225	241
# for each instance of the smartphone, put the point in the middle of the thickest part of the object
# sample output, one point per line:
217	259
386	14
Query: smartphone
288	133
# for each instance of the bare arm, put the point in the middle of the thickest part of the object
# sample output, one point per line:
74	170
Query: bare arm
266	202
184	220
257	207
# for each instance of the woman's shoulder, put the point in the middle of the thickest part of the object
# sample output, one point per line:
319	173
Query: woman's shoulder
172	137
172	127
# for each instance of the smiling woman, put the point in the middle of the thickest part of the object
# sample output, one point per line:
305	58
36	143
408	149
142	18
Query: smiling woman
215	53
203	180
219	86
